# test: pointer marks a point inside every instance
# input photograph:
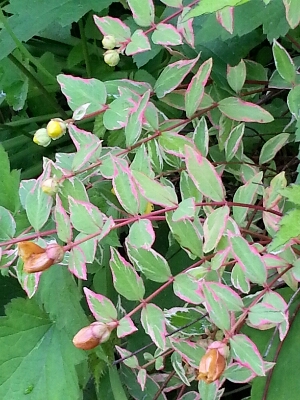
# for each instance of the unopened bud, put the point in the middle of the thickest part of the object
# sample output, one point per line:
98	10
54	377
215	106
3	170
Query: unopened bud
111	57
41	137
212	365
149	208
109	42
50	186
56	128
55	253
91	336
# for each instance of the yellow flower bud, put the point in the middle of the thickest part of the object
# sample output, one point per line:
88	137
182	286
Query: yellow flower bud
149	208
56	128
111	57
109	42
211	366
41	137
50	186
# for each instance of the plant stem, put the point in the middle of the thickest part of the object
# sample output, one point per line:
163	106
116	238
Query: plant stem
85	49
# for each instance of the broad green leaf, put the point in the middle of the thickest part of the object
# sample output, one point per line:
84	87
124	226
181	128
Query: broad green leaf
195	90
150	263
139	42
125	279
292	192
62	221
191	320
80	91
109	26
218	314
133	128
85	217
125	327
186	209
292	12
225	18
214	227
236	76
7	225
166	35
284	63
101	307
74	188
9	181
186	287
142	11
173	143
32	343
172	76
234	141
38	206
240	110
249	259
153	321
289	229
293	101
207	7
272	146
77	263
117	114
189	351
204	175
88	246
262	314
141	234
229	298
237	373
245	351
154	191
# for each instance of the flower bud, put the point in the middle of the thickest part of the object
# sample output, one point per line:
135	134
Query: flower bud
149	208
111	57
91	336
56	128
37	259
41	137
211	366
50	186
109	42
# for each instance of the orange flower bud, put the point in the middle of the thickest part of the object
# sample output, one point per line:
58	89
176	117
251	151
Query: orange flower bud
91	336
37	259
211	366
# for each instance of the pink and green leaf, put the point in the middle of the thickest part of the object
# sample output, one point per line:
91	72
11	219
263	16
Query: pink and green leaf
153	321
101	307
240	110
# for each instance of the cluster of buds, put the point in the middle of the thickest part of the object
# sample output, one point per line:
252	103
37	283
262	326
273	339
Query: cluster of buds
213	363
111	56
38	259
91	336
55	129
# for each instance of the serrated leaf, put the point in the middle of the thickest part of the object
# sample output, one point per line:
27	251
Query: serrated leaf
150	263
272	146
236	76
31	343
80	91
166	35
204	175
284	63
195	90
153	321
142	11
172	76
289	229
240	110
126	281
138	43
292	193
207	7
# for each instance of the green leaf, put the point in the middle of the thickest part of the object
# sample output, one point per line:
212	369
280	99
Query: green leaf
85	217
126	189
234	141
186	287
293	101
101	307
62	220
133	128
153	321
214	227
195	90
292	13
284	63
74	188
150	263
207	7
141	234
142	11
126	281
154	191
138	43
292	192
272	146
236	76
199	167
166	35
7	225
240	110
245	351
38	206
32	343
80	91
289	229
218	314
113	27
189	351
172	76
9	182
